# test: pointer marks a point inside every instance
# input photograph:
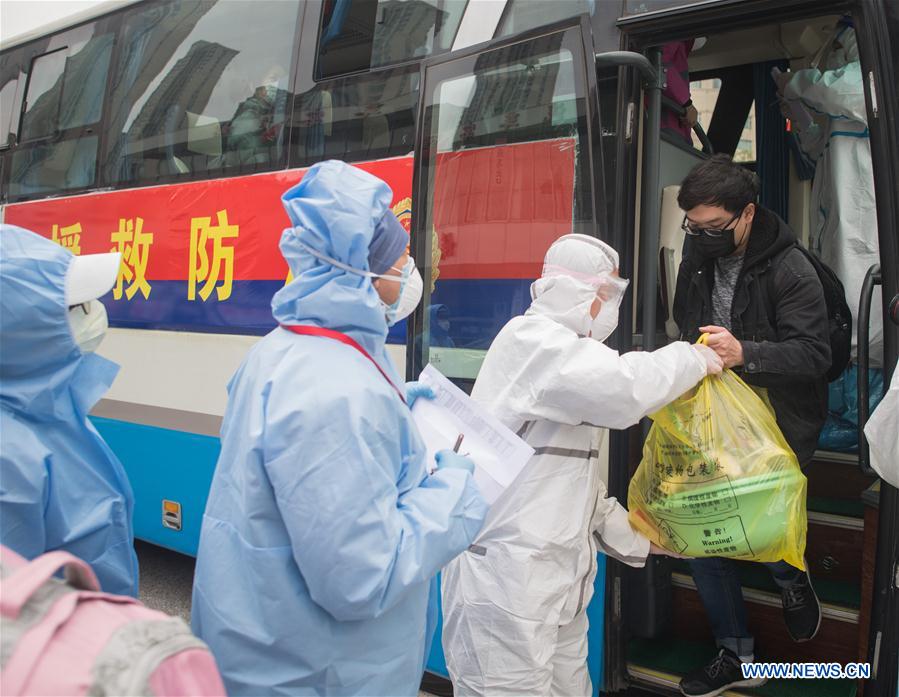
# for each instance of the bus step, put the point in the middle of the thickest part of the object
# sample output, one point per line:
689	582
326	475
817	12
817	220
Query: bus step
836	640
755	577
844	508
659	664
836	486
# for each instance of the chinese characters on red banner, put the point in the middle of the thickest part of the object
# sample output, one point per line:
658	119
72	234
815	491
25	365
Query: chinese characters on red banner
134	245
204	235
68	237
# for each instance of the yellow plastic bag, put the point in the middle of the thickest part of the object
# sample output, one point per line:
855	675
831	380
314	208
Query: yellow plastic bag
717	478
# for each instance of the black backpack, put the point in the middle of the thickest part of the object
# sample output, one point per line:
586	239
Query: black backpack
839	316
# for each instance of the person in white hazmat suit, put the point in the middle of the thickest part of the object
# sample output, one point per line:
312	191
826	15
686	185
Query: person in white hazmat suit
514	604
826	104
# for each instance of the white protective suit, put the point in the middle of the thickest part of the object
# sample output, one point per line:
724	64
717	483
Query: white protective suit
514	603
843	215
882	432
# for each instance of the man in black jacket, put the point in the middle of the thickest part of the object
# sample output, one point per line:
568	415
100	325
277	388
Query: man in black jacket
746	283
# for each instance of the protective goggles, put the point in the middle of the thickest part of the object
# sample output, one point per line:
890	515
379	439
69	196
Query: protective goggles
609	289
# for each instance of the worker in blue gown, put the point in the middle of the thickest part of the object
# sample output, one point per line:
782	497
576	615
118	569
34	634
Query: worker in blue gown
61	487
324	529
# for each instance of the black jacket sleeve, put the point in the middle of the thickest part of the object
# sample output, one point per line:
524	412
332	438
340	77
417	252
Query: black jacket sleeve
802	349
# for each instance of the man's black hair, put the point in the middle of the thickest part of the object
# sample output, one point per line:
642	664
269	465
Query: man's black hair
718	181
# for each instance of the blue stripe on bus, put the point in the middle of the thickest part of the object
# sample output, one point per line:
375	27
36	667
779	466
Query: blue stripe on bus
596	615
164	464
477	309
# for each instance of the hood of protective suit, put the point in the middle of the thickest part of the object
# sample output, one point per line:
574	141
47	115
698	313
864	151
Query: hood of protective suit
42	371
564	293
334	210
844	48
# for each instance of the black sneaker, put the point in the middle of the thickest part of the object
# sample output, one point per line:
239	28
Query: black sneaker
722	673
802	610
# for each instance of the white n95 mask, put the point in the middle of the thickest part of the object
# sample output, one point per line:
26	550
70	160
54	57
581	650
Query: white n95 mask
411	287
610	290
605	322
88	323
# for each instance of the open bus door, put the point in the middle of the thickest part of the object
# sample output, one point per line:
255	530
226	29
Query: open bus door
877	22
876	614
508	158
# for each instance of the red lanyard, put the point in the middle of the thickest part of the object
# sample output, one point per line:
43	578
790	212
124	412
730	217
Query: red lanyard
306	330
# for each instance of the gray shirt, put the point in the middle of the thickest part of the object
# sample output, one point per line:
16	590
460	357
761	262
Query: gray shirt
727	271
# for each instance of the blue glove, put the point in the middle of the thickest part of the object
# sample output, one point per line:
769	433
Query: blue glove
414	390
448	459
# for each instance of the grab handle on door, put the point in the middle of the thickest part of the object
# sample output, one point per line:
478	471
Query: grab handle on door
872	278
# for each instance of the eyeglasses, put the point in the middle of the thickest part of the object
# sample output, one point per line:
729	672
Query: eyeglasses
694	230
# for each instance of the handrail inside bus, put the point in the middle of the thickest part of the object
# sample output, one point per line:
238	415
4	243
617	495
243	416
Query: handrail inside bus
678	109
650	68
631	59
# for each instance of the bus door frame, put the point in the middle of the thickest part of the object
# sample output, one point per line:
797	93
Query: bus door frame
877	25
877	31
421	240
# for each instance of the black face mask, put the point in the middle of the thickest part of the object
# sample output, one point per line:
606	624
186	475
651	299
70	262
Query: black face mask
714	247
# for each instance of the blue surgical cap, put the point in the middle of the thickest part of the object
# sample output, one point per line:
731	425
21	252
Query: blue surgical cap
388	243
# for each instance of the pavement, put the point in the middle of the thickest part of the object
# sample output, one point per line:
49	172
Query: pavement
166	579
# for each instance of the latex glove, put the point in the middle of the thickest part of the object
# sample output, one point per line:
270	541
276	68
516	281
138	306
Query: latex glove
414	390
713	363
449	459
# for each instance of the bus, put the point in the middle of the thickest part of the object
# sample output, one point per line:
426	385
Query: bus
168	129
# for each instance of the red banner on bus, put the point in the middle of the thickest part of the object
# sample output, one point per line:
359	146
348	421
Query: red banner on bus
204	255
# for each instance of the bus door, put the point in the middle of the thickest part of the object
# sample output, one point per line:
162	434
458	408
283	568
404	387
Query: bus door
853	540
507	160
877	23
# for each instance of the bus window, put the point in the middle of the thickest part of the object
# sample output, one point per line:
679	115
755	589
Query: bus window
64	96
200	88
44	92
363	117
361	34
521	15
635	7
506	159
11	80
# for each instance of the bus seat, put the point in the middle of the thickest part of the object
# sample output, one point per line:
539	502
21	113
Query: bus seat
375	133
671	243
204	135
173	165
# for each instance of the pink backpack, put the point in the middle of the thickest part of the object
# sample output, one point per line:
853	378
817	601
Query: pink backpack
67	638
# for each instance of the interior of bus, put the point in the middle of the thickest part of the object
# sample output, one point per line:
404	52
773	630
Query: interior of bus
669	635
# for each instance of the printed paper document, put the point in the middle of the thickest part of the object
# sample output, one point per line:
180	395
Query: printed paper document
499	455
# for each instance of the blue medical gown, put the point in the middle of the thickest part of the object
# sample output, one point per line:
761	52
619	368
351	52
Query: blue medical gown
61	487
323	530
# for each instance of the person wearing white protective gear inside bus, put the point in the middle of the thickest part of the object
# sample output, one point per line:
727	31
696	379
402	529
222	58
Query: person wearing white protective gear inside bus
324	532
514	605
61	486
826	103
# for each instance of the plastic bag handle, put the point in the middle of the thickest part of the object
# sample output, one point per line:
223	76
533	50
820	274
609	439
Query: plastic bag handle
20	585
